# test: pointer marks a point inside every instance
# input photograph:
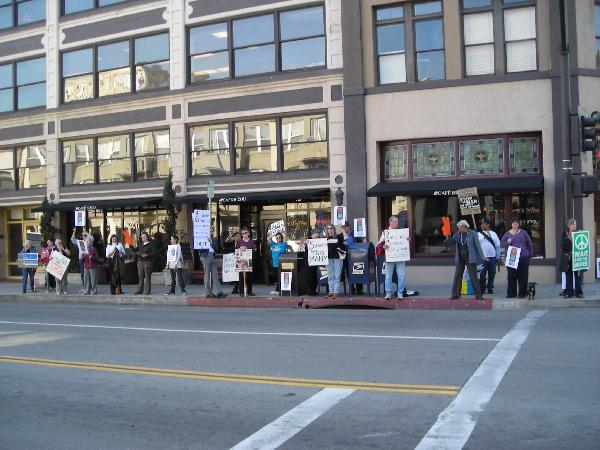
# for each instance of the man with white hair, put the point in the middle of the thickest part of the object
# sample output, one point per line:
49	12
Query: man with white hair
468	254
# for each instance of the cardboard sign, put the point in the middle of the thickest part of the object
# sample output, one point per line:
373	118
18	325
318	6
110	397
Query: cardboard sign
339	215
468	201
27	260
399	246
229	273
513	254
58	265
201	223
79	218
286	281
243	260
317	252
358	268
277	227
360	227
581	250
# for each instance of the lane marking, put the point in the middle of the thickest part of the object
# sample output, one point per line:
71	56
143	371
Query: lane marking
252	333
237	378
24	338
456	423
295	420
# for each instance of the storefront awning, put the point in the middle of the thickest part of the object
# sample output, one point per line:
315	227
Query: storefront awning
516	184
103	204
270	196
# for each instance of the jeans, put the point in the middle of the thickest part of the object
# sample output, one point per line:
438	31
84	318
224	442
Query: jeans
389	273
29	272
463	261
211	275
89	281
179	272
81	269
145	276
489	270
62	284
334	271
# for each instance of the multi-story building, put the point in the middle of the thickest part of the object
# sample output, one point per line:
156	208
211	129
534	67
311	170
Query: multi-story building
100	98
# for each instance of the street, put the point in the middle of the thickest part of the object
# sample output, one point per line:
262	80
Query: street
106	376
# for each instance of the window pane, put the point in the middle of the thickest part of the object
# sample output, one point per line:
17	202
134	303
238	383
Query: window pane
113	55
31	96
481	157
72	6
6	78
5	2
524	155
256	159
253	60
6	100
255	134
208	38
114	82
33	177
152	143
78	151
211	137
396	159
210	150
31	11
597	11
476	3
303	53
78	88
254	30
394	12
7	180
114	170
31	71
210	66
430	66
109	2
527	208
6	159
301	22
479	28
78	62
433	159
304	142
152	76
480	59
427	218
392	69
519	24
521	56
390	38
6	17
31	156
429	35
152	48
113	147
78	173
428	8
307	155
152	167
303	129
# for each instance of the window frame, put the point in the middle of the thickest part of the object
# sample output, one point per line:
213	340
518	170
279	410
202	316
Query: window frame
521	5
15	14
94	7
15	86
15	168
596	32
498	34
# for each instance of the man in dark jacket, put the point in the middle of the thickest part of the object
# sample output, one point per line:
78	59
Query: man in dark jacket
144	265
468	254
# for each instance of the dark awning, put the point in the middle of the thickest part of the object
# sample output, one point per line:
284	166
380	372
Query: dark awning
103	204
269	196
516	184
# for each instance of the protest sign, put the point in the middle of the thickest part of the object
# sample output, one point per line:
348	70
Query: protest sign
399	246
317	252
201	222
27	260
581	250
79	218
58	265
243	260
360	227
468	201
82	248
513	254
339	215
286	281
172	256
229	273
277	227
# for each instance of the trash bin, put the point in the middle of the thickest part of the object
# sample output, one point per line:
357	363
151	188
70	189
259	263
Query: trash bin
293	272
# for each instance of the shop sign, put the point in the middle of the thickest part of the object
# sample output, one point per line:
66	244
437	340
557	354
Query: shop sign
444	193
468	201
399	246
581	250
317	252
239	199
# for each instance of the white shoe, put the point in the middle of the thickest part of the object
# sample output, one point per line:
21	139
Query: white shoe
388	296
274	293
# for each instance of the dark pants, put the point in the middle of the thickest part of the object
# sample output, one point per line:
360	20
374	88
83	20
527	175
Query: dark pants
313	279
179	273
145	276
518	278
81	270
463	261
277	284
489	271
29	273
249	280
569	282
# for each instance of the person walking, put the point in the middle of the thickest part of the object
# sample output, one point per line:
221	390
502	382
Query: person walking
144	265
336	252
90	263
518	278
490	245
28	272
84	235
62	284
174	264
245	243
566	262
398	266
467	254
115	252
277	247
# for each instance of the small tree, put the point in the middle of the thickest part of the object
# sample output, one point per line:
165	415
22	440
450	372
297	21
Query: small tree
162	240
47	230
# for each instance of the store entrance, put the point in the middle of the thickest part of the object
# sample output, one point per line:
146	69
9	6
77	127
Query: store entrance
20	225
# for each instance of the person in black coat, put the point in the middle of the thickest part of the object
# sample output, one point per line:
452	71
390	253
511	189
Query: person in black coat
566	262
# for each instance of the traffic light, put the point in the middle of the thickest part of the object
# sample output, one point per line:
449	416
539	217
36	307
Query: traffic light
589	184
590	132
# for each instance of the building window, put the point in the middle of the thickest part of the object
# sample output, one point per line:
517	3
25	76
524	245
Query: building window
597	32
210	150
21	12
114	159
255	146
7	171
23	85
396	162
6	88
78	162
115	66
481	157
434	159
520	39
524	155
287	40
73	6
478	31
429	41
152	155
23	168
304	141
391	48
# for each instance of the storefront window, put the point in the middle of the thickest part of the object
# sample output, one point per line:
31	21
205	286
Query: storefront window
527	208
255	146
152	155
481	157
435	159
7	172
304	142
114	159
524	155
210	150
428	213
78	162
396	158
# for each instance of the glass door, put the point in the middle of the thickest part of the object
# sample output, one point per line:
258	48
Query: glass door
21	224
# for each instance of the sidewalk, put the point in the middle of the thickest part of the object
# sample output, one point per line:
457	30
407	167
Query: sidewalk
430	297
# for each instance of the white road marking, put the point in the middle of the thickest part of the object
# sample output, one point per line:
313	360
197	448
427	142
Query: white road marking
456	423
30	338
252	333
295	420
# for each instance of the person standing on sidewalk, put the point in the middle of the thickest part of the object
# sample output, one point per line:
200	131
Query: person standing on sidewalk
566	262
144	265
175	266
277	247
468	254
63	283
115	252
490	245
45	253
519	277
245	243
336	252
90	263
211	274
399	266
74	241
28	272
235	238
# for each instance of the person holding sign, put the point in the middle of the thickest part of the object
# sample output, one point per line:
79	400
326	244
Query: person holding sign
490	245
75	242
519	276
468	254
211	275
28	272
174	264
277	247
394	264
62	283
336	252
115	254
90	263
566	262
246	279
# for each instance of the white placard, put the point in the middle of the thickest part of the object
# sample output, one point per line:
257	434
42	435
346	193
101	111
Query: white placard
172	254
360	227
243	260
399	246
513	254
286	281
339	215
597	267
58	265
201	222
317	252
229	273
277	227
82	248
79	218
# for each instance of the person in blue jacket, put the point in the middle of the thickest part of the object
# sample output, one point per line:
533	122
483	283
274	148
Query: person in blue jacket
28	272
277	247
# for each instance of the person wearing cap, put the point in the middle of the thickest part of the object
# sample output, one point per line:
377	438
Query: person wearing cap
468	254
490	245
84	235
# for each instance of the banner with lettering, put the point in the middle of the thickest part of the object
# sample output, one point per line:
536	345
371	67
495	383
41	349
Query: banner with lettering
399	246
201	222
317	252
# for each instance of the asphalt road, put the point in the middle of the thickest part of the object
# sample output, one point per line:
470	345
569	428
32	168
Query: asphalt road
99	376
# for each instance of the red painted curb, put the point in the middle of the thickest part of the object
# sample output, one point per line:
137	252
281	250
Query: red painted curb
250	302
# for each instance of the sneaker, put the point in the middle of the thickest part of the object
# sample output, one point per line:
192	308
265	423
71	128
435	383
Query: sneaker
184	293
388	296
274	293
169	293
137	293
235	291
251	294
221	295
400	297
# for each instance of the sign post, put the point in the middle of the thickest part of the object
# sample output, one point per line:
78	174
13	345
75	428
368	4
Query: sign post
468	200
581	250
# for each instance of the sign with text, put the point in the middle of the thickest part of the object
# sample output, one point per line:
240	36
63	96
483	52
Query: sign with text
277	227
58	265
79	218
243	260
229	273
468	201
201	222
581	250
317	252
398	245
339	215
360	227
27	260
82	248
286	281
513	254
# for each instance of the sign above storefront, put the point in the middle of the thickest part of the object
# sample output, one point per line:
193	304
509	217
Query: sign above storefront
239	199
